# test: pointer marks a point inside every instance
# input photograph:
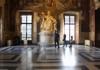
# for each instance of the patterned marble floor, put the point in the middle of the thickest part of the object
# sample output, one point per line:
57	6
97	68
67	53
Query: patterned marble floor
32	57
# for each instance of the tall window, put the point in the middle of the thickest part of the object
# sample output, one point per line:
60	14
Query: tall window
69	26
26	27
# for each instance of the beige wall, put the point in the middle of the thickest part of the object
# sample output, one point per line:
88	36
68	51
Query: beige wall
35	32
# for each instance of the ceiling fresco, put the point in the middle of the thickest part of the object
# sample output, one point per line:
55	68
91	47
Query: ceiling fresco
51	5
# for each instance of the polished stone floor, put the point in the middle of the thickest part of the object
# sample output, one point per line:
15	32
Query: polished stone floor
32	57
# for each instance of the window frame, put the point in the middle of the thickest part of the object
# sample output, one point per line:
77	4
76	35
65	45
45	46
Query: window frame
27	14
69	24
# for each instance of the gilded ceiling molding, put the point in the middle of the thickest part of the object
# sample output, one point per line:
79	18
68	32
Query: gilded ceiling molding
2	2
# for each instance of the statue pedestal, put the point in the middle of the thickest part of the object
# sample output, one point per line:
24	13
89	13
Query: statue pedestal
46	39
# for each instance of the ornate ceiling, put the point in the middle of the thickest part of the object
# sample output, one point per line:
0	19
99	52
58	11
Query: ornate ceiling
51	5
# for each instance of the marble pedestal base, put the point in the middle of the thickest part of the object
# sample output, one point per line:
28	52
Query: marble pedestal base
46	39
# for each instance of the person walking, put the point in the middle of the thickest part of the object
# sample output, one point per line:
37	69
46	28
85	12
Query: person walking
64	40
56	39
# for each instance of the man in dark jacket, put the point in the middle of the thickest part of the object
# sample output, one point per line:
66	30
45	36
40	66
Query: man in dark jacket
56	39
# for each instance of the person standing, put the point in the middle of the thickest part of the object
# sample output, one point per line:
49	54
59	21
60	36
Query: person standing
56	39
71	41
64	40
